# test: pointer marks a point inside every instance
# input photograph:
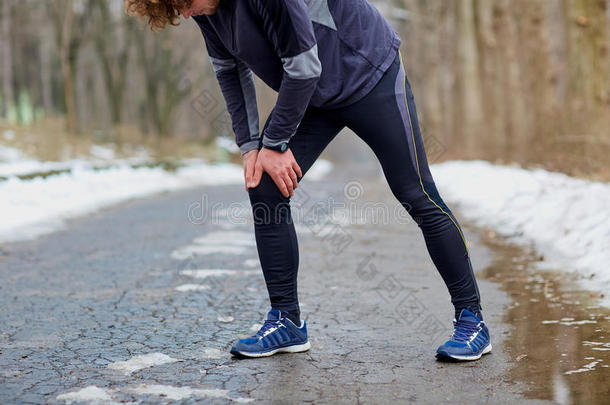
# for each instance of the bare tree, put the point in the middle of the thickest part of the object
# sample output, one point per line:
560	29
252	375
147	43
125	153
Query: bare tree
66	65
113	36
164	68
70	36
6	55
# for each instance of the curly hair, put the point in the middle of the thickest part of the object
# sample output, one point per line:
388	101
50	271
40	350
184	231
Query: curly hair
160	13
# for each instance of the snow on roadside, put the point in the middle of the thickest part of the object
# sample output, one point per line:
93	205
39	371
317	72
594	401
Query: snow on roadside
564	218
40	205
13	162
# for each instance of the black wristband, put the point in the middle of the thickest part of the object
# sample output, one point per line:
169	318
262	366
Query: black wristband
281	147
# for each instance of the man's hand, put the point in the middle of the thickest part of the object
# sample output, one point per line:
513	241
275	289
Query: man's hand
282	167
249	160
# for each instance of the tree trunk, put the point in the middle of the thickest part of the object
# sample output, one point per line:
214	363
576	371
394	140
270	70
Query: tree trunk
112	43
470	84
67	67
8	98
46	71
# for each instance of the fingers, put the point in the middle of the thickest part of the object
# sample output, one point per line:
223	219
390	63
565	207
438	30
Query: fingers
283	169
281	185
284	183
289	185
250	160
293	179
297	169
247	175
258	173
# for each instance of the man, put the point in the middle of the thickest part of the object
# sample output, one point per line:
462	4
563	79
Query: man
334	63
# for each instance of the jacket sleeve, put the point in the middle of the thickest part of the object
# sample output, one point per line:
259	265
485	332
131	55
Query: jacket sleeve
289	28
237	86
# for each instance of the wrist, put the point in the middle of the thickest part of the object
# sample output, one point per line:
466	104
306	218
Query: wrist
249	146
277	146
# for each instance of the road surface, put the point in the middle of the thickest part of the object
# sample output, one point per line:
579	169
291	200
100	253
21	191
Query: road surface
122	306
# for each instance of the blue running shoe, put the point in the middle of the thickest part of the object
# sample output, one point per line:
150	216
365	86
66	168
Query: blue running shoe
278	334
470	339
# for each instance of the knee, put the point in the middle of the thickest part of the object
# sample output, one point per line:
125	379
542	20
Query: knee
422	202
268	203
266	191
433	194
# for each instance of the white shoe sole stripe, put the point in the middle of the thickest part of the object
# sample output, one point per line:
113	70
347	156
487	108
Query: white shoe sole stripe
475	357
289	349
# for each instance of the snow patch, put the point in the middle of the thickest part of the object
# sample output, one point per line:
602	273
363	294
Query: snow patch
9	134
569	322
564	218
140	362
180	393
319	170
193	287
103	152
599	346
205	273
251	262
95	395
584	321
256	327
188	251
586	367
212	353
234	237
226	143
224	242
91	394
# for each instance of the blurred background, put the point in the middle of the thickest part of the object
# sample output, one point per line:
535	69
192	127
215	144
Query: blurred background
525	81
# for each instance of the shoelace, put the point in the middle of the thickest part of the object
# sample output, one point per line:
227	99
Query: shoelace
269	323
464	330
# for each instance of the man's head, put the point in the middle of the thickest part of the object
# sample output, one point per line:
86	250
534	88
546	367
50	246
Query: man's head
163	12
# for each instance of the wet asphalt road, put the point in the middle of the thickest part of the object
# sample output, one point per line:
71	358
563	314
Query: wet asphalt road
119	284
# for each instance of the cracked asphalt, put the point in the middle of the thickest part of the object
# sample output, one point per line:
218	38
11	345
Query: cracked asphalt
104	290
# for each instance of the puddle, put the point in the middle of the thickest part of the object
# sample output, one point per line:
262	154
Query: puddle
560	341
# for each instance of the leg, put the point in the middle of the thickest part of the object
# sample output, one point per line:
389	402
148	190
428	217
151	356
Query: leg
386	120
276	239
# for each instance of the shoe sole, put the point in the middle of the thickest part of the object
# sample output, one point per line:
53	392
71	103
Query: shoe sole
445	355
288	349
